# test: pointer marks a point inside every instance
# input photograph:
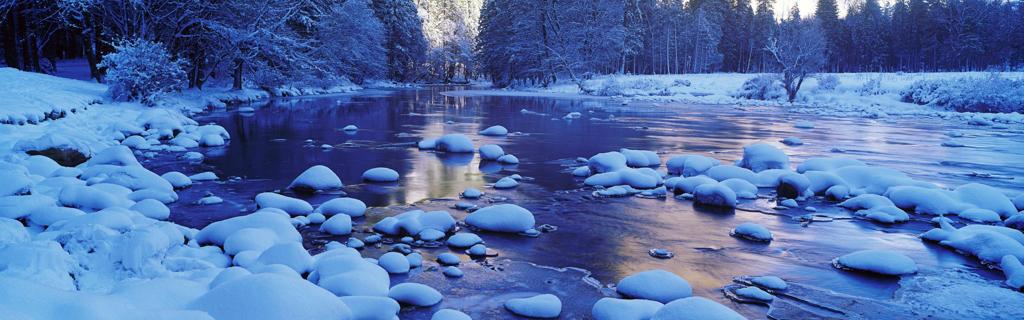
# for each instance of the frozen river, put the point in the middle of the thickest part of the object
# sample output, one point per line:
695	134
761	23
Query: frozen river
600	240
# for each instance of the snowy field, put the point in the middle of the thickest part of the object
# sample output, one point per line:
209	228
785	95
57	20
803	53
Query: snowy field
92	240
872	95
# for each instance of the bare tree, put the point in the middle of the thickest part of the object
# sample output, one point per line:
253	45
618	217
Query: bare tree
798	48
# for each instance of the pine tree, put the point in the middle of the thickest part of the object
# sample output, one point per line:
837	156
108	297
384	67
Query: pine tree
828	14
405	43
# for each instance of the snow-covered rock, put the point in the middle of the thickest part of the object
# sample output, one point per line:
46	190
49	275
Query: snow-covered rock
491	152
344	273
316	178
293	206
454	142
696	308
624	309
752	231
690	165
347	206
448	259
1014	271
657	285
743	188
539	306
506	183
339	224
270	296
502	218
217	233
372	308
754	293
380	174
464	240
606	162
415	222
471	193
415	294
770	282
450	314
494	131
988	243
289	254
714	194
980	215
762	156
884	262
508	159
394	262
177	179
152	209
640	158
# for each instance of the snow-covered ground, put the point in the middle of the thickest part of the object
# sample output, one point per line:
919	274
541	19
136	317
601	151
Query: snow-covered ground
874	95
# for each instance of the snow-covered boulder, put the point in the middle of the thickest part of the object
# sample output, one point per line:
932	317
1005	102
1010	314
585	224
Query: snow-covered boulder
506	183
827	164
372	308
494	131
491	152
752	231
714	194
743	188
454	142
606	162
754	293
450	314
792	185
380	174
508	159
218	232
152	209
394	262
884	262
770	282
690	165
502	218
177	179
725	172
293	206
640	158
539	306
344	273
762	156
415	222
657	285
415	294
427	144
624	309
1014	271
347	206
464	240
988	243
339	224
980	215
696	308
471	193
290	254
316	178
270	296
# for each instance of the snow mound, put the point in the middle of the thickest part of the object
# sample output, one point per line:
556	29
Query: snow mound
752	231
218	232
494	131
491	152
1014	271
714	194
380	174
884	262
657	285
454	142
293	206
606	162
415	294
372	308
624	309
394	262
827	164
762	156
502	218
641	158
344	273
754	293
506	183
725	172
696	308
347	206
415	222
464	240
270	296
988	243
450	314
690	165
472	193
177	179
508	159
770	282
539	306
316	178
289	254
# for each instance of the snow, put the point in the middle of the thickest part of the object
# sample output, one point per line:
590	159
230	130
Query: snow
450	314
502	218
762	156
714	194
690	165
506	183
770	282
255	239
415	222
696	308
884	262
539	306
725	172
494	131
464	240
606	162
471	193
491	152
640	158
754	293
380	174
345	273
743	188
657	285
448	259
988	243
1014	271
270	296
454	142
752	231
217	233
980	215
350	128
452	272
152	209
316	178
293	206
339	224
347	206
177	179
415	294
21	103
394	262
290	254
508	159
624	309
477	250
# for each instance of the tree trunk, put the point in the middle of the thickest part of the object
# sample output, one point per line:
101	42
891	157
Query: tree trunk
237	85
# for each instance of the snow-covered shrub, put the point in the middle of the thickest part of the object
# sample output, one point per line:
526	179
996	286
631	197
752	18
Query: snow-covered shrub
872	88
764	87
991	94
610	87
828	82
141	70
642	86
681	83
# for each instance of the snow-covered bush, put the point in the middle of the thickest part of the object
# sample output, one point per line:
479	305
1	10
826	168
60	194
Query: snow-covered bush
764	87
828	82
872	88
140	70
641	86
991	94
681	83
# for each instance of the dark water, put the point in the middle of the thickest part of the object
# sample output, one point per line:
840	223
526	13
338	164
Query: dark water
601	240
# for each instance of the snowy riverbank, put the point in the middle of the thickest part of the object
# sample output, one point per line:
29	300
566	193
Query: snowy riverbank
871	95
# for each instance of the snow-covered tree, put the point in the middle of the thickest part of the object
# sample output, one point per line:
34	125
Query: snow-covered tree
352	41
798	48
142	70
405	43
